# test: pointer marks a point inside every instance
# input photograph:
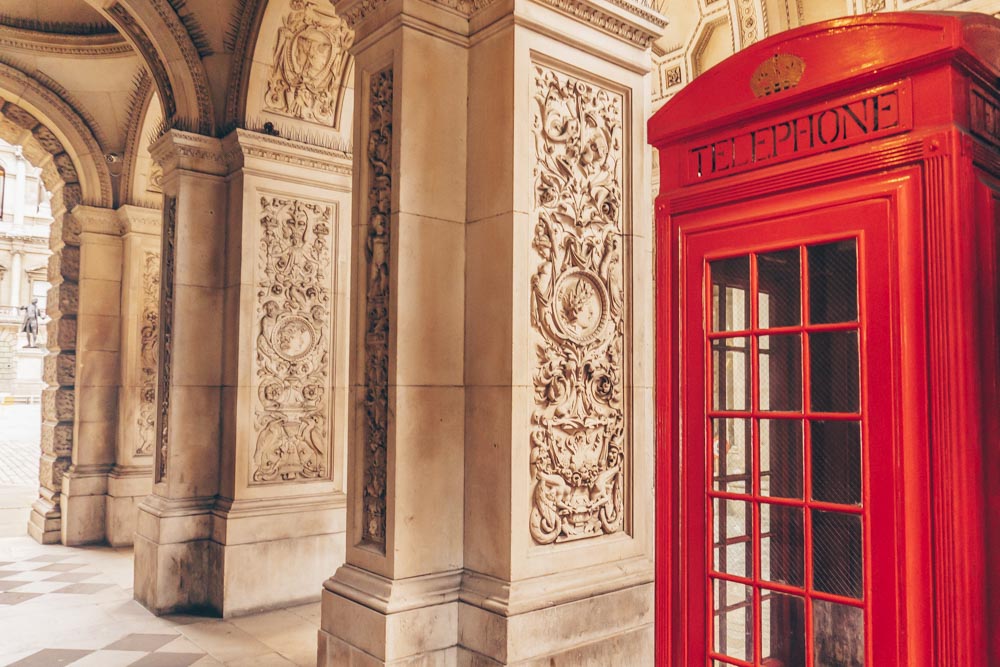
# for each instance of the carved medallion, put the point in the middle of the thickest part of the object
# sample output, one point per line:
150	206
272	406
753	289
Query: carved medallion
579	435
148	344
311	60
292	348
376	396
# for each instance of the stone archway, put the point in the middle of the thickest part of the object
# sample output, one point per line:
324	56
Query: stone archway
71	181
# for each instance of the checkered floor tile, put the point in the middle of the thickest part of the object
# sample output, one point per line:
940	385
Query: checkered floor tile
25	580
135	650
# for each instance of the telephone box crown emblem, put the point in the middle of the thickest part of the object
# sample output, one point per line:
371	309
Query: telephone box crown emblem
778	73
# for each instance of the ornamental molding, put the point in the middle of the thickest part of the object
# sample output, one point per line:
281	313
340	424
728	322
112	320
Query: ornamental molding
81	46
148	356
242	146
192	58
293	354
356	13
579	423
177	149
97	220
127	24
376	309
165	347
140	220
310	62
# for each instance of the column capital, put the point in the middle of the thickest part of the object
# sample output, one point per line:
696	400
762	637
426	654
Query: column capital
288	158
632	21
140	220
187	151
95	220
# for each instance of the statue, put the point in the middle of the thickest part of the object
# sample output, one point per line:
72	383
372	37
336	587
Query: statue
30	323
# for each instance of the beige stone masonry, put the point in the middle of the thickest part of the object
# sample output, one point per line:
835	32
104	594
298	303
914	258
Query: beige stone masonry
523	242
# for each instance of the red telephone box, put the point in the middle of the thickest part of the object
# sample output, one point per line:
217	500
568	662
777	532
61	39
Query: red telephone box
828	244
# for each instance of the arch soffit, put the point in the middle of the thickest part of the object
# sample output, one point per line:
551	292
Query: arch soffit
157	33
142	98
44	124
243	45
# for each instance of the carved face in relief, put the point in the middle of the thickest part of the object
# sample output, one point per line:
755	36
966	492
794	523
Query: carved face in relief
293	338
580	306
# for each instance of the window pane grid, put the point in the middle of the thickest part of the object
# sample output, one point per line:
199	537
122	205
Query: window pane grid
726	486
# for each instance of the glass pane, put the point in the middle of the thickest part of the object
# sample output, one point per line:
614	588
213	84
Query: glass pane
834	371
733	620
778	289
730	294
836	462
837	556
781	544
838	635
730	374
833	282
782	629
781	458
732	534
780	372
731	442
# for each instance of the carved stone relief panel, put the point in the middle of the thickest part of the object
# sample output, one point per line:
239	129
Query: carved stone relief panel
292	358
148	345
167	266
376	342
579	424
311	60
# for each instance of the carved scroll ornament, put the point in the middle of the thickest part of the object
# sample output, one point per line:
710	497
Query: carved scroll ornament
148	344
579	434
292	349
311	60
167	267
376	396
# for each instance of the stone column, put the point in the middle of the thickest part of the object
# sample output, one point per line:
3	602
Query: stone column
559	544
552	465
85	485
173	569
16	272
58	399
279	520
397	596
130	481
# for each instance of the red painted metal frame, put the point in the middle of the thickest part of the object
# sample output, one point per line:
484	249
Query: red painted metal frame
934	529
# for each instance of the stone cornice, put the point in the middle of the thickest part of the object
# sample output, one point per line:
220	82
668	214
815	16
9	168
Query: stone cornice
97	220
390	596
244	148
85	46
187	151
140	220
630	21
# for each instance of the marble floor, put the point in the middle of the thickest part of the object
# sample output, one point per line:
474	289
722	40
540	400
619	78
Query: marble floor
74	606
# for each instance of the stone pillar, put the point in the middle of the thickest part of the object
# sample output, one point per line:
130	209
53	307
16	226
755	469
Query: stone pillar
85	485
173	569
397	596
16	272
533	149
59	372
130	481
559	506
279	521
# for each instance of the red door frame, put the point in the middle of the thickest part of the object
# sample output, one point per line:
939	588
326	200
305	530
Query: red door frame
682	618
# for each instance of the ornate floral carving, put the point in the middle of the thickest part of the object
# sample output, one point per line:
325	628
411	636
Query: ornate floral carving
291	413
148	339
578	310
155	182
376	397
311	60
166	333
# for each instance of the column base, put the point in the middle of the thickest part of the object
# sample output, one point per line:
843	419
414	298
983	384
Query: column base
45	522
370	620
629	649
234	558
127	487
84	494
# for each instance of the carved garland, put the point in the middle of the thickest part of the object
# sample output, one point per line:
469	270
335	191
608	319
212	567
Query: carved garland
311	60
292	350
376	396
578	311
166	332
148	339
